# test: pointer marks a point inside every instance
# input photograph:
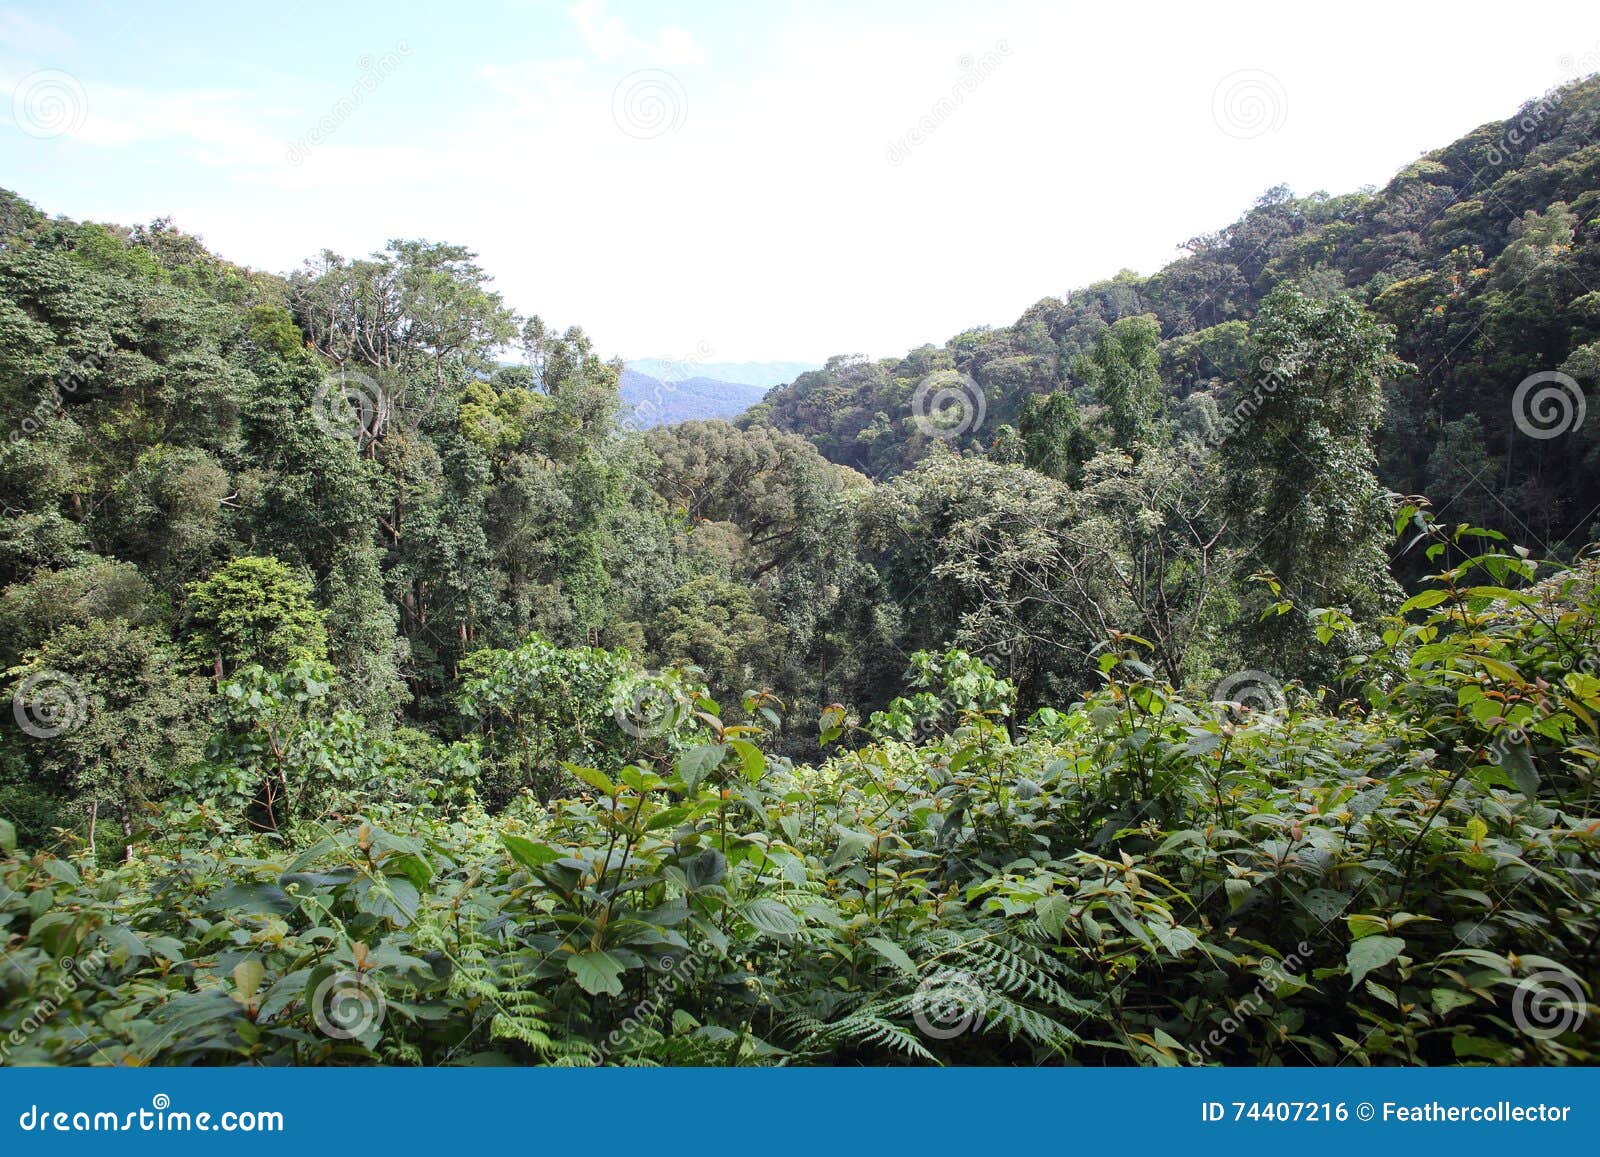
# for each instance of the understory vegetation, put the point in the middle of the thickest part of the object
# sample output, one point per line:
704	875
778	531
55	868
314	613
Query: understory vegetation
1157	681
1144	878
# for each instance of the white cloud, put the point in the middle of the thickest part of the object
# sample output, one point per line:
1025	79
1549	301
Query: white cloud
603	35
608	38
23	36
768	219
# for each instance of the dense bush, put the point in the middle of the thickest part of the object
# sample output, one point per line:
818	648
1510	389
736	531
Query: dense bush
1144	877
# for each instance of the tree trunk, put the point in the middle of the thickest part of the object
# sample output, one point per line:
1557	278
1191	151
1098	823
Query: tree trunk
125	813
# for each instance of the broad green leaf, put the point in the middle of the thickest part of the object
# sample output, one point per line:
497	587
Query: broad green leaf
247	976
1362	925
750	757
771	917
706	868
1516	760
698	762
894	954
527	853
595	779
1053	913
1421	602
1370	953
596	972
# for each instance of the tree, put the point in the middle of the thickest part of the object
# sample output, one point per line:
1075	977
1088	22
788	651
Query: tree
254	610
416	303
414	314
1053	438
1161	528
1002	560
128	719
1124	371
716	625
1300	458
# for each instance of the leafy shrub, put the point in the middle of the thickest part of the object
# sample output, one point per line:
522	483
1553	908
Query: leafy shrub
1144	877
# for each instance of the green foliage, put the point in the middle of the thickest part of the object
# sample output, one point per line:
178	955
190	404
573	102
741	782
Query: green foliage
254	611
1144	878
542	708
1053	438
1300	460
1482	255
427	768
125	718
1123	372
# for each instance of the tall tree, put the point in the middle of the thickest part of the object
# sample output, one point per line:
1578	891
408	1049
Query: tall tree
1124	370
1300	456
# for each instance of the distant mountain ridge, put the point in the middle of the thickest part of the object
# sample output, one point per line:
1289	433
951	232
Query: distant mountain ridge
653	401
764	374
1483	255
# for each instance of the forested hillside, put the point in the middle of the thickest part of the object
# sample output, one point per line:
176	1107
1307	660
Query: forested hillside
1482	255
649	402
1202	670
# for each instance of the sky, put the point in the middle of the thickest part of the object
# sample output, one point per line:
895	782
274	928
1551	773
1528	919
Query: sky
747	181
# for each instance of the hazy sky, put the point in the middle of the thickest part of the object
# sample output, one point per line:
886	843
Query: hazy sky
747	180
